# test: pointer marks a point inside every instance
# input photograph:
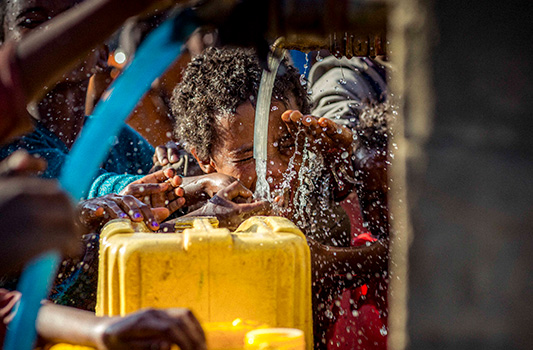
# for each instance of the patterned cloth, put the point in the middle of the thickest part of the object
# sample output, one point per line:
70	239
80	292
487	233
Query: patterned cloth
129	158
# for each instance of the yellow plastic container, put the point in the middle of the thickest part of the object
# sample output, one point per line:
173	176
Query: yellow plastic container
260	272
275	339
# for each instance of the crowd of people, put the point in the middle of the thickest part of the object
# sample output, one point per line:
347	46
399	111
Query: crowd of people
50	51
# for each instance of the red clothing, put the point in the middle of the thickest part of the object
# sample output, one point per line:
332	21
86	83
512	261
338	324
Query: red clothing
7	302
359	314
14	119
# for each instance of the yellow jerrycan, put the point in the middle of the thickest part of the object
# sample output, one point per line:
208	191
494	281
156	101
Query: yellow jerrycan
260	272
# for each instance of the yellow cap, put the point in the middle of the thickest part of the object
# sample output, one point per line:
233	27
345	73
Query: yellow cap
275	339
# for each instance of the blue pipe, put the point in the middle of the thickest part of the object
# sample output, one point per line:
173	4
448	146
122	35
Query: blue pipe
155	55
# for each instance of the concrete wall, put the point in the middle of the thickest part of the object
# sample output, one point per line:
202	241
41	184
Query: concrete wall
468	166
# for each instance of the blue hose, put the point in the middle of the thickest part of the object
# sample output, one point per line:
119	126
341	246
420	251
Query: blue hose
155	55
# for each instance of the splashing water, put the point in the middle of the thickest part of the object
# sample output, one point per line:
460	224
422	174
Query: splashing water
262	113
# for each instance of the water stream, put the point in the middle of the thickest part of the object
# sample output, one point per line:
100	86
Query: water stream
262	113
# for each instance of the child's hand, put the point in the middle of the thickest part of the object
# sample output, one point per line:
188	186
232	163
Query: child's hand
324	134
201	188
37	216
167	154
160	189
152	329
334	141
232	206
94	213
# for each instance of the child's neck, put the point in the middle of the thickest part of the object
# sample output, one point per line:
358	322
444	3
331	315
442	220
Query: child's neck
62	111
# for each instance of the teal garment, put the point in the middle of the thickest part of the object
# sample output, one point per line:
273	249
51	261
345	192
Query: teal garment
129	159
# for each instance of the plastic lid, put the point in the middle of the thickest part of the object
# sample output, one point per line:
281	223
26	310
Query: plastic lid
275	338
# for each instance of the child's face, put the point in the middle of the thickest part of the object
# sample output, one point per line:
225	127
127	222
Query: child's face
232	152
22	16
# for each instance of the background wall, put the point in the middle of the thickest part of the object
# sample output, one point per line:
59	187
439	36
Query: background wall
465	166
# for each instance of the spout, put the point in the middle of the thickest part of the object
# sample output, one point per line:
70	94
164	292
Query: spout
344	27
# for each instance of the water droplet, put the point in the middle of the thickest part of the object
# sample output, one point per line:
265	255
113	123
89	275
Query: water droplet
342	81
274	108
344	155
303	81
383	331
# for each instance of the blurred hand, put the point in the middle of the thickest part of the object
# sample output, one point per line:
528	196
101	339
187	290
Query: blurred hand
166	154
153	329
22	163
94	213
36	216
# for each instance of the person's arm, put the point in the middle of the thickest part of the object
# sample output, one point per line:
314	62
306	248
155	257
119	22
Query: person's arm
333	265
142	329
44	55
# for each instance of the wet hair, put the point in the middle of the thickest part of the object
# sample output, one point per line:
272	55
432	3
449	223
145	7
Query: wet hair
218	81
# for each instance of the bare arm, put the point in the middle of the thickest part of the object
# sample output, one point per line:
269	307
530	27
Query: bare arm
344	263
46	54
144	328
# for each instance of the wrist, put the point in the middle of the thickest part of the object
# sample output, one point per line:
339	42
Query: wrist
99	333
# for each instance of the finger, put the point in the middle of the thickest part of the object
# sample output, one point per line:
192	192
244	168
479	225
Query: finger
176	204
296	116
130	205
161	153
255	208
194	332
113	210
338	133
169	173
157	177
149	218
192	321
146	189
89	212
176	180
173	152
180	336
180	192
291	126
236	189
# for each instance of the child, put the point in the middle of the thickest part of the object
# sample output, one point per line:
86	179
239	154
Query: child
215	109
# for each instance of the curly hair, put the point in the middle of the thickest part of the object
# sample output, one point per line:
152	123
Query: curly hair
218	81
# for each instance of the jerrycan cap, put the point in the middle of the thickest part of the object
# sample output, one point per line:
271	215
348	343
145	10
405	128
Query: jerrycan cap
275	339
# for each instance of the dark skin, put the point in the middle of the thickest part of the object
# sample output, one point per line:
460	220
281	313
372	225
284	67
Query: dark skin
37	216
47	54
333	268
232	154
62	112
141	330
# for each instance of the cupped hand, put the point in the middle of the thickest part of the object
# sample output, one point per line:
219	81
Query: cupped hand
232	206
152	329
201	188
160	189
325	135
94	213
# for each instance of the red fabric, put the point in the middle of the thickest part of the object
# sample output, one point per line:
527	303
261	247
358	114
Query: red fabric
7	302
359	313
14	119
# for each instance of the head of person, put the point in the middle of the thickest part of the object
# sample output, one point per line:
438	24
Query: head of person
19	17
215	113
